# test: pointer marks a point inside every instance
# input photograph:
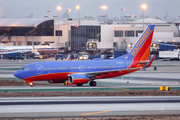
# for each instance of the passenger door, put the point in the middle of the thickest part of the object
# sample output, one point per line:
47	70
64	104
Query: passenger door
39	69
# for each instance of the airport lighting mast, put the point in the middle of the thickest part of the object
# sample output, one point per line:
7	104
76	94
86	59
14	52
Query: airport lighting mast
104	8
143	8
122	9
78	7
58	8
69	10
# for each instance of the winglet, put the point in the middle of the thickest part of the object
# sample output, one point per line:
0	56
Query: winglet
150	62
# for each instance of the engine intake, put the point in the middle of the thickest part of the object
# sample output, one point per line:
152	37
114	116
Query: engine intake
78	79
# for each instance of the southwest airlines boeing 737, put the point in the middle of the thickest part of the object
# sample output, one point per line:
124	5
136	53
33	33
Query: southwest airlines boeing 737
82	72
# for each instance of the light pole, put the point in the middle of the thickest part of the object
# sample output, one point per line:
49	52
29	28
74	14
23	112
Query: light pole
78	7
143	8
69	43
58	8
69	10
122	9
104	8
47	13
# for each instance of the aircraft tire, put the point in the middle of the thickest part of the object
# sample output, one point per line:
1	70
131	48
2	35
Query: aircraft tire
93	83
79	84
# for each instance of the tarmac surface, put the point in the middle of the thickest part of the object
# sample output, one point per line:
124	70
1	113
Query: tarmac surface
166	74
88	106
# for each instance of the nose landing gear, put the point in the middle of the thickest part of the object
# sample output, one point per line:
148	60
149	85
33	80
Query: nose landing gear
31	84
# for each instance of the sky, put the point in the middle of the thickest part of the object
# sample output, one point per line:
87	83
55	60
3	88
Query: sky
155	8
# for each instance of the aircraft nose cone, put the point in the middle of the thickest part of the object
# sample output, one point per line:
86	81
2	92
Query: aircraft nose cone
18	74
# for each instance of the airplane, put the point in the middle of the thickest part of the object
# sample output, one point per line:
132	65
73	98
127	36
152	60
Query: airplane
82	72
26	49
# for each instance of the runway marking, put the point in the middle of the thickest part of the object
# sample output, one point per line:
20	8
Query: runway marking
95	112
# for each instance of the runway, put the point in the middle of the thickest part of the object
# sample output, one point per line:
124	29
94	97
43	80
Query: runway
89	106
167	74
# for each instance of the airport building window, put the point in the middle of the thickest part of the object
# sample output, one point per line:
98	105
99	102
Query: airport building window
129	33
35	43
118	33
81	34
58	32
138	31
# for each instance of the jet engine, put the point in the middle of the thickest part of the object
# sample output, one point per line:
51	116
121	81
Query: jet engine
78	79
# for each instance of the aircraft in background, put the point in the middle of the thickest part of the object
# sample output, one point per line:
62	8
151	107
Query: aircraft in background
26	49
82	72
68	57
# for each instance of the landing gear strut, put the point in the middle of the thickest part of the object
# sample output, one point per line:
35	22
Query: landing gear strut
93	83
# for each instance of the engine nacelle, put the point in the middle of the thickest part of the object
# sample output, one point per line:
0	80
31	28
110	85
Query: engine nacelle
78	79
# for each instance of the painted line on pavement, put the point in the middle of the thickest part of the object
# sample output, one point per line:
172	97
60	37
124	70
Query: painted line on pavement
95	112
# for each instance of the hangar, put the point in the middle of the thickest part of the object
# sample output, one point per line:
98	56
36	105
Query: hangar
22	31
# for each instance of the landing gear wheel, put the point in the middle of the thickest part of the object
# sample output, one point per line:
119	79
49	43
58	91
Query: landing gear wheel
79	84
31	84
93	83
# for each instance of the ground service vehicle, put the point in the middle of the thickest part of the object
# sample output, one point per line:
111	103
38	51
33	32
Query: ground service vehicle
175	54
15	56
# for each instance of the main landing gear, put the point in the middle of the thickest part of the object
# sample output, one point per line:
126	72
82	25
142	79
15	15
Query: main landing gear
93	83
79	84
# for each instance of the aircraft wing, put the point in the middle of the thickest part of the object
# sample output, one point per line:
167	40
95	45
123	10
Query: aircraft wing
95	73
17	51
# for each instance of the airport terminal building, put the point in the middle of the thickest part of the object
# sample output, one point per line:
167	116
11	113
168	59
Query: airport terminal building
86	35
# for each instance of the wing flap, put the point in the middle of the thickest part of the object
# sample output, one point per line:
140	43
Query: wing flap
95	73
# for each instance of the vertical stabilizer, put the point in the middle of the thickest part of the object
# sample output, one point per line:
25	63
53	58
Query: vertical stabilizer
141	49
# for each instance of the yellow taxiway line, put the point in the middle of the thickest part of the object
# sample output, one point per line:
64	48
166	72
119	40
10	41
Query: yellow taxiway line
95	112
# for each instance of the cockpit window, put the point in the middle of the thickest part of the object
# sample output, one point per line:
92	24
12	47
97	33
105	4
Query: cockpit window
25	68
